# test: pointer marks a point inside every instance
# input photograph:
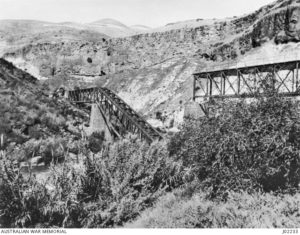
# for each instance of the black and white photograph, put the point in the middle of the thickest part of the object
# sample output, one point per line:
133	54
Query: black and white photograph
118	115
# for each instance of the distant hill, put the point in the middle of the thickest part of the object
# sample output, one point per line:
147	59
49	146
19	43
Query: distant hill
112	27
18	33
108	22
141	28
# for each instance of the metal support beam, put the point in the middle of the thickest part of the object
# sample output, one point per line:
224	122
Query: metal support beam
120	117
194	88
247	81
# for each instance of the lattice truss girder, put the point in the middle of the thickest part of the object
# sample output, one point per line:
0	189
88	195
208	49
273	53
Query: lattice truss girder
118	116
248	81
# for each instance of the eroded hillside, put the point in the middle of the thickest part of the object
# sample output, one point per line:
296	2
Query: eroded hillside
153	71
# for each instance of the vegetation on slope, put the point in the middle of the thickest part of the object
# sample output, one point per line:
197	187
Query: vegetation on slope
245	165
111	188
246	147
31	123
240	167
240	210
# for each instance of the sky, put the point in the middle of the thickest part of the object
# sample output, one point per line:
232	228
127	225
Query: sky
152	13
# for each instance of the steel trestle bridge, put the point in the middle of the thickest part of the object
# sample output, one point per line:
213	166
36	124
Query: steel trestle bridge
119	117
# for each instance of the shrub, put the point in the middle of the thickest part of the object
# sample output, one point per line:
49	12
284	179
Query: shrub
112	187
53	122
245	146
50	149
26	203
95	141
64	209
28	150
127	179
5	126
241	210
53	149
35	132
21	199
89	60
31	149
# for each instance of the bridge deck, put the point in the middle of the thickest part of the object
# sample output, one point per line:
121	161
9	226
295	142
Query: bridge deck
120	115
247	81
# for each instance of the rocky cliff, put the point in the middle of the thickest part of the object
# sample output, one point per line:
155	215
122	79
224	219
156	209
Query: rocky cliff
153	71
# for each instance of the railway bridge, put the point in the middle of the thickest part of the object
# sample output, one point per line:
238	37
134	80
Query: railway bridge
245	81
112	115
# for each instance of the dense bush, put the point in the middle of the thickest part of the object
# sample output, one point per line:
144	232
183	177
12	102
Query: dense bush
127	179
53	122
20	198
95	141
112	187
27	203
53	149
50	149
35	132
64	208
241	210
240	152
246	146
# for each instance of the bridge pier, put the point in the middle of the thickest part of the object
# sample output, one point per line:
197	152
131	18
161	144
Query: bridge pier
98	123
194	110
112	115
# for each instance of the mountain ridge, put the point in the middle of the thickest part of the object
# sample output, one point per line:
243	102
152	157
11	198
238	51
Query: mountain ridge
152	71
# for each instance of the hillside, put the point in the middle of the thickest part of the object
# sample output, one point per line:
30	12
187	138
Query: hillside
18	33
153	71
237	167
29	116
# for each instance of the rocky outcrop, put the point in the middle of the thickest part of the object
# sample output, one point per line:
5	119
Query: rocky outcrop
291	31
282	25
153	71
119	54
216	41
